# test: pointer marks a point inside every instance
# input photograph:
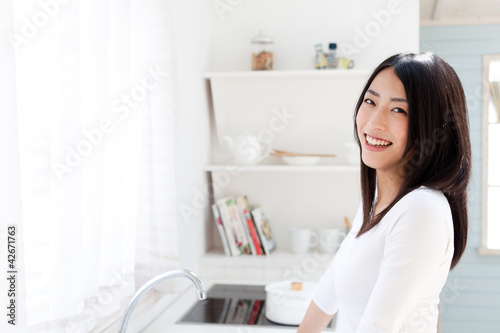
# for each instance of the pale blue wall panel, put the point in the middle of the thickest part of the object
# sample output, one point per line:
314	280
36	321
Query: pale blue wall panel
471	298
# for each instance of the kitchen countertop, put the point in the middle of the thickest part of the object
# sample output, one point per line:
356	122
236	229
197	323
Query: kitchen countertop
166	322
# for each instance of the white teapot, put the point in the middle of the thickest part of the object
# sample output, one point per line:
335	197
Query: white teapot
247	149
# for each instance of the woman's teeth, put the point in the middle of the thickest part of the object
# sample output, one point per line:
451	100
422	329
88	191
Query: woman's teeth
377	142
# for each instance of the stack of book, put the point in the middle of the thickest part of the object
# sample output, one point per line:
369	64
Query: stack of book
243	229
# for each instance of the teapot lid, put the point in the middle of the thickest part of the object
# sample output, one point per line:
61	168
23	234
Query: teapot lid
262	38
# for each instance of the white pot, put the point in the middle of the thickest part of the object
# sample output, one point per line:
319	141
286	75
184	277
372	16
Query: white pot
287	306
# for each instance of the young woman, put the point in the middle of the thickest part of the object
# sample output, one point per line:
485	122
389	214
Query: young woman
411	227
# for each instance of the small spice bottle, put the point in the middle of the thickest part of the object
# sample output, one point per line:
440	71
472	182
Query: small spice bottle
319	59
331	56
262	52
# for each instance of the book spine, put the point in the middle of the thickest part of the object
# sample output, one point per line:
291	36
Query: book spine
230	232
241	238
241	312
253	250
220	228
253	232
242	204
257	217
225	310
231	311
254	315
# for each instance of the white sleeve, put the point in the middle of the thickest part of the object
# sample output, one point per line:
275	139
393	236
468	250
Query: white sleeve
417	247
324	295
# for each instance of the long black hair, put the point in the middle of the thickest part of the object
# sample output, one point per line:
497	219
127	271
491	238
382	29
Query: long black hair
438	153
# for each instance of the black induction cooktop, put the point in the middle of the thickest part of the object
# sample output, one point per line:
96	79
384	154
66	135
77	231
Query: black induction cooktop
233	305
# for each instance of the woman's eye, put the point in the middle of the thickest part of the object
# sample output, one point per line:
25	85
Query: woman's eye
369	101
399	110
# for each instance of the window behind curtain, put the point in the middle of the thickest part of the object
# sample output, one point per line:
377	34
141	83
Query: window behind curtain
491	156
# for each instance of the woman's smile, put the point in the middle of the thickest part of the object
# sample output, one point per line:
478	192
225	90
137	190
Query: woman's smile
373	142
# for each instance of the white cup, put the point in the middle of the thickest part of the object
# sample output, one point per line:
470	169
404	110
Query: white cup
351	151
302	239
330	239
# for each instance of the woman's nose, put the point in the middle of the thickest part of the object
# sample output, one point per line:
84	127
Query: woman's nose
378	119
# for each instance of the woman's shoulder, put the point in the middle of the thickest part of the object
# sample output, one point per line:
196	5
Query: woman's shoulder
423	216
425	198
425	205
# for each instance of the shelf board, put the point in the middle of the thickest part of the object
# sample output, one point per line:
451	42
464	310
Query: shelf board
287	168
279	258
327	73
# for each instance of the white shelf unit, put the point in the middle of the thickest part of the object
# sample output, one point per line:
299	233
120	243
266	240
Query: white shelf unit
322	102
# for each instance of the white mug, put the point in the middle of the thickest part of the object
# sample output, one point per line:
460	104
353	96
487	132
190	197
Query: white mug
351	151
330	239
302	239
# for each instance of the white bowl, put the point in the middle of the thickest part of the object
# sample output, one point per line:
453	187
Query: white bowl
301	160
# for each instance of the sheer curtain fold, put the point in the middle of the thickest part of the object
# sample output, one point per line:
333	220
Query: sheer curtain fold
157	202
89	174
10	178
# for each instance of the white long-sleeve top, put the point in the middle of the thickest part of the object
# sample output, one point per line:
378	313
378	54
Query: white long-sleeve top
389	279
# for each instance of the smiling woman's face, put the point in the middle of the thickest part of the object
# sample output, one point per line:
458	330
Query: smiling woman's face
382	123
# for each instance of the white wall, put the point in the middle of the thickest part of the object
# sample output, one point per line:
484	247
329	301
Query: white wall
193	37
375	28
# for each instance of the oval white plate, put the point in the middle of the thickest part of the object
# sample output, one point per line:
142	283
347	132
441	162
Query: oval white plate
301	160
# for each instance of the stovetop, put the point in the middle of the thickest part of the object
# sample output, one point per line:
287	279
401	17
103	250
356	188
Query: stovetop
234	305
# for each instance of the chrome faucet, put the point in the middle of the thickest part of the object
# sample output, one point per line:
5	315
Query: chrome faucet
200	289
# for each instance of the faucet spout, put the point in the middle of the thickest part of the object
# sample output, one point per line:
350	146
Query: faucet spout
200	290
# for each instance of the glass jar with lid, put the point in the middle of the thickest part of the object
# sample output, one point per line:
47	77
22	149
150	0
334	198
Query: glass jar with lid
262	52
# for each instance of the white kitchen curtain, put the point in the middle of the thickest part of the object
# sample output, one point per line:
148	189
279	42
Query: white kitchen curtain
88	144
